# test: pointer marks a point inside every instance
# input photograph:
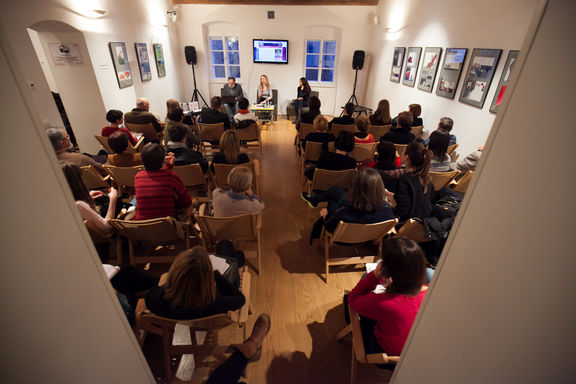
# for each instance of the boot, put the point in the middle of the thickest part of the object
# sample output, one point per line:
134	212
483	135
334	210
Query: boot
252	347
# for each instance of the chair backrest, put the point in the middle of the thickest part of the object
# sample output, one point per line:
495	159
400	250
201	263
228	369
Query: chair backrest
103	140
221	172
378	130
337	128
305	129
274	97
234	228
161	229
314	93
464	181
324	179
451	148
363	151
416	131
313	151
147	130
413	229
358	233
442	179
191	175
123	176
400	148
93	179
211	132
249	133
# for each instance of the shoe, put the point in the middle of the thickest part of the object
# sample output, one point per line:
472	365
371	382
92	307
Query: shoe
252	347
293	121
308	199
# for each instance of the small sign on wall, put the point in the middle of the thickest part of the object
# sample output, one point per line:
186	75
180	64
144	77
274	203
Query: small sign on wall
64	53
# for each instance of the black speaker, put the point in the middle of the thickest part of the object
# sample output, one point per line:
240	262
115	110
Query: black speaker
358	60
191	58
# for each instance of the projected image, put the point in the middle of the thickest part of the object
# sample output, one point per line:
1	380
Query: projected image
271	51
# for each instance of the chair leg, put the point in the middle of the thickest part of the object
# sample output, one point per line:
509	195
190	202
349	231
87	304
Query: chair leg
327	255
353	368
166	343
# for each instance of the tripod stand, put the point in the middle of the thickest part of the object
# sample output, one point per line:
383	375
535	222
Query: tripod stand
196	92
353	98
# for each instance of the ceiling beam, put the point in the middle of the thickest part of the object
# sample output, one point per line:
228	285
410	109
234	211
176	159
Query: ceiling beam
279	2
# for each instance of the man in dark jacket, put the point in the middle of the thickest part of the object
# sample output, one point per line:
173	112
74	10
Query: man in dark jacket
213	115
231	93
141	115
182	154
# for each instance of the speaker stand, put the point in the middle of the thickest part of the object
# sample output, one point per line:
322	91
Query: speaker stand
196	95
353	98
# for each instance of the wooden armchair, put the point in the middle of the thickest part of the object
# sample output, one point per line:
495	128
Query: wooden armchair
378	131
148	131
109	240
250	137
363	152
349	233
210	133
413	229
103	140
305	129
93	179
400	148
417	131
442	179
324	179
450	151
310	155
462	184
170	329
337	128
124	177
221	172
242	230
195	181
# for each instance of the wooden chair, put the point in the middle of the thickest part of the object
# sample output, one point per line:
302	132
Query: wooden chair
442	179
147	130
462	184
310	155
242	230
378	131
450	151
159	238
106	239
93	179
305	129
147	322
124	177
221	172
417	131
324	179
103	140
210	133
250	137
195	181
413	229
400	148
362	152
349	233
337	128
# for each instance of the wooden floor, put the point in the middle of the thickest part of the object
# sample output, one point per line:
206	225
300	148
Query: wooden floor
306	312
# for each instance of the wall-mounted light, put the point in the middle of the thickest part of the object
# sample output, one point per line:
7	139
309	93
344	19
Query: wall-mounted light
172	15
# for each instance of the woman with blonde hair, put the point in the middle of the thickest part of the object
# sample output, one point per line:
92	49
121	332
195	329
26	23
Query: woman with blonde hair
230	152
264	93
320	134
382	114
239	198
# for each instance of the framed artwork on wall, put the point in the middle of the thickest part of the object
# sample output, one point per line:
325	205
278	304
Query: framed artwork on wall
397	61
479	75
160	65
411	66
430	63
450	72
121	64
504	78
143	61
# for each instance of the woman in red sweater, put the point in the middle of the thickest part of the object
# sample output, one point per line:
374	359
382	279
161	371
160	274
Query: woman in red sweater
402	272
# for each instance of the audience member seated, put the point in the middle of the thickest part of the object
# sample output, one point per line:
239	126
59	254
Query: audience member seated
141	115
382	114
244	117
172	104
230	150
401	134
118	142
388	164
213	115
193	290
321	134
413	198
438	145
159	191
313	111
233	91
61	143
116	118
183	155
239	199
387	317
175	118
365	204
445	125
470	162
346	118
362	136
415	110
340	159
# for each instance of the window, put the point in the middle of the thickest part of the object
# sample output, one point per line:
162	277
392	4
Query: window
225	57
320	60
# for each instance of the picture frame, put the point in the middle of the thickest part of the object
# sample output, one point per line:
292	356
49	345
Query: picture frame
397	61
451	69
430	62
143	61
121	64
479	75
160	64
411	66
504	79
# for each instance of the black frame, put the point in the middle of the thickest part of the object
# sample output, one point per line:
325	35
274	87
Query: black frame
413	66
449	76
396	70
504	79
143	62
479	74
160	62
272	62
121	67
428	73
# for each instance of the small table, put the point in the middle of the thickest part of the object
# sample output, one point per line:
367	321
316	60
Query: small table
265	114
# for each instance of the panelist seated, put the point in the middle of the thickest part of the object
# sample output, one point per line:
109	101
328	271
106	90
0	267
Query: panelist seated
231	93
264	93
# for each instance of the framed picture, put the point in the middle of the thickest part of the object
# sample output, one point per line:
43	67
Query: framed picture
430	63
121	64
160	65
479	74
397	61
411	66
450	72
504	78
143	61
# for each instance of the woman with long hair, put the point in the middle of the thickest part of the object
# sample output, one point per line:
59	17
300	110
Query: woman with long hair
388	164
414	195
230	152
387	318
263	92
382	114
303	94
438	145
416	111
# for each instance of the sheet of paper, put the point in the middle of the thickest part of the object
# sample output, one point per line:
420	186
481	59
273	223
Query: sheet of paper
110	270
219	264
369	268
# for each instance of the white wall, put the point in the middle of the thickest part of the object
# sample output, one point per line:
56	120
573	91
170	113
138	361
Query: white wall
350	23
502	306
447	24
